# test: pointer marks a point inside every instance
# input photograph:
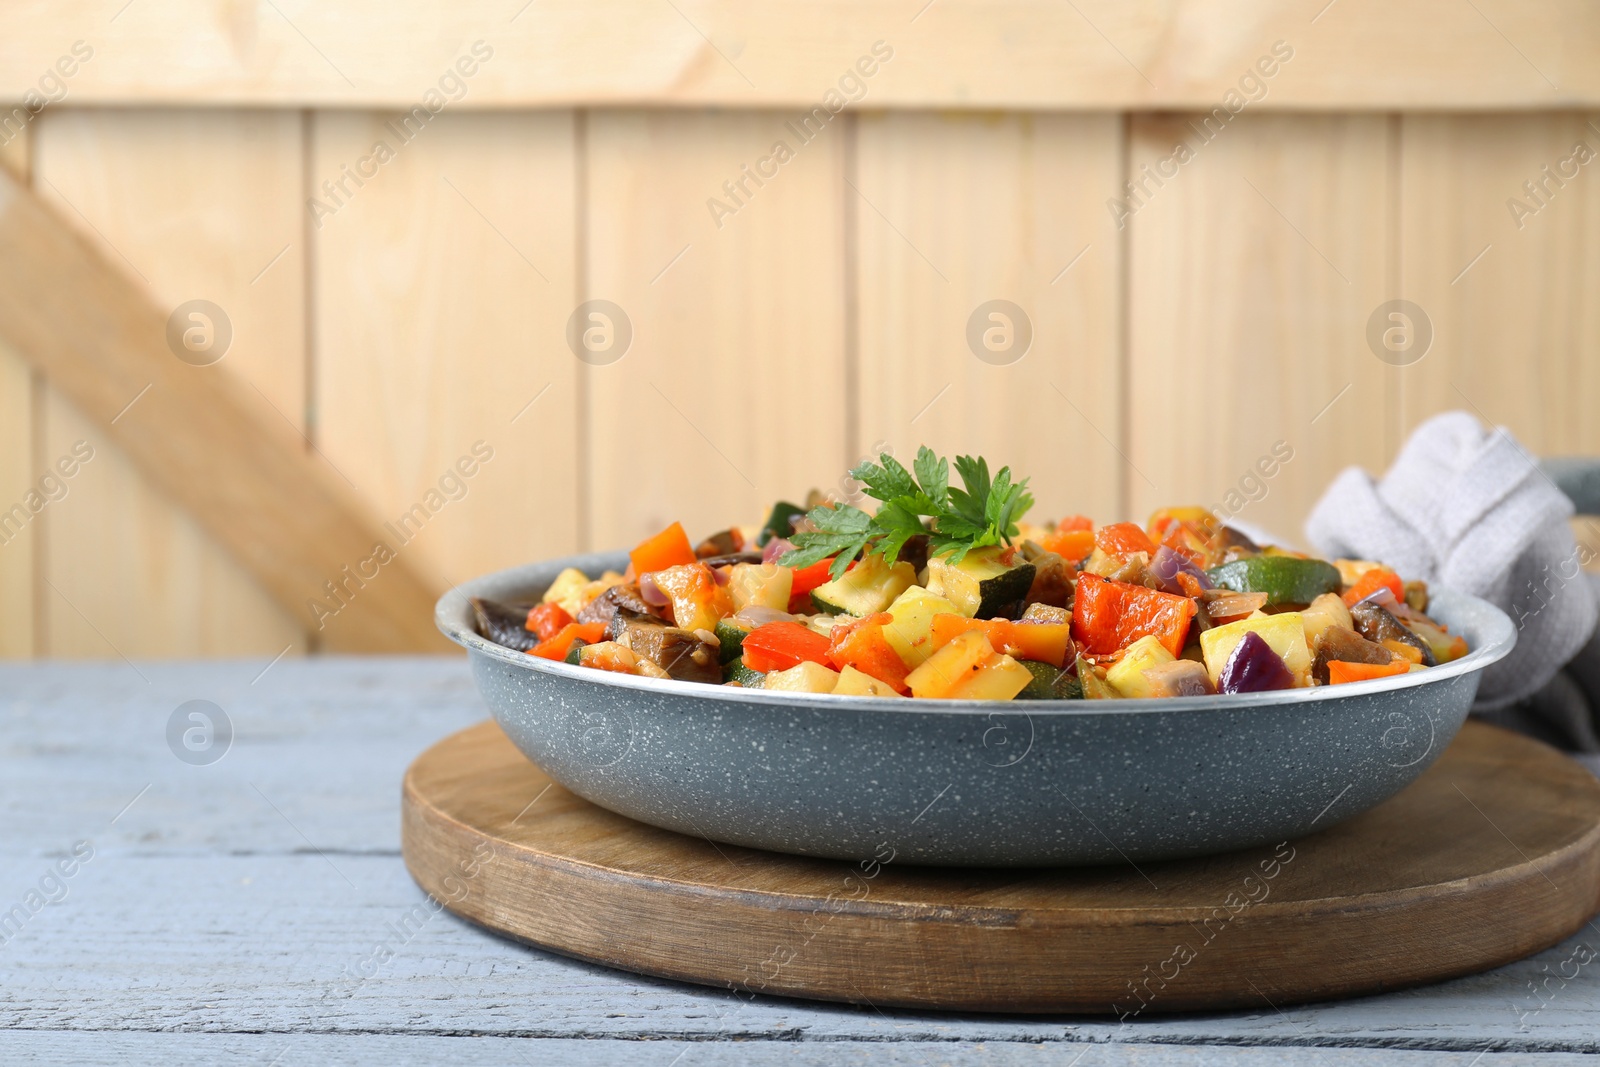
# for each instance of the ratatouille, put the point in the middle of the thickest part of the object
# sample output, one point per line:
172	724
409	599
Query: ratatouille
945	592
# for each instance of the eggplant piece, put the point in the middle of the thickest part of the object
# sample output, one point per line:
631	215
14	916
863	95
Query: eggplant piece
1377	624
914	552
722	543
604	607
1046	613
1232	544
1336	642
1254	668
1180	678
730	558
1052	579
504	624
682	654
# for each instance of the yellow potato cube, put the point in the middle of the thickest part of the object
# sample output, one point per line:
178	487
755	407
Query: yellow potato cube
804	677
1127	674
1284	633
859	683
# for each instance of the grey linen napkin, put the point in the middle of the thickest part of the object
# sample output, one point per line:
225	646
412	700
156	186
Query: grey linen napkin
1470	509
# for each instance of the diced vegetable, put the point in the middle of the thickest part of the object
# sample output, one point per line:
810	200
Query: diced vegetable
865	589
609	656
1373	580
780	645
730	633
1093	681
857	683
1164	520
780	522
1047	613
968	668
1325	611
1180	678
806	677
1049	683
1374	622
1284	633
1168	566
1285	579
547	619
1043	642
698	601
556	646
1224	606
679	652
669	548
911	631
764	584
1108	616
567	591
1253	667
1127	674
738	672
1342	643
804	580
987	583
722	543
575	652
1123	539
1339	671
862	645
1071	544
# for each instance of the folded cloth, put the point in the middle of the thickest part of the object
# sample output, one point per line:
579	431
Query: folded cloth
1470	509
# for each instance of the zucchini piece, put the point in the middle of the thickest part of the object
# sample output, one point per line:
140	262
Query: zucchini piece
804	677
1049	683
731	634
574	653
980	586
1285	579
780	523
867	588
738	672
911	631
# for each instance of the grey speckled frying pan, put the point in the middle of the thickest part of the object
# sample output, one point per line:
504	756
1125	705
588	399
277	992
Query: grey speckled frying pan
966	783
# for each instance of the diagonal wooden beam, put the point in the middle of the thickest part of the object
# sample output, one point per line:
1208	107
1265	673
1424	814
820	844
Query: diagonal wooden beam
200	435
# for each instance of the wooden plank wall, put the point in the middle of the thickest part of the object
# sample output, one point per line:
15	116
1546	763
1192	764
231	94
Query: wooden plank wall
827	314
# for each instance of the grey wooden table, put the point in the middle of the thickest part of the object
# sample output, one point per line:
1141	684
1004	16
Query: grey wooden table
249	910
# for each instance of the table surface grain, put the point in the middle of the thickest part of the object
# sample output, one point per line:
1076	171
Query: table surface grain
254	910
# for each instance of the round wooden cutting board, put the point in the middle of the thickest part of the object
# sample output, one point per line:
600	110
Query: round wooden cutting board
1493	854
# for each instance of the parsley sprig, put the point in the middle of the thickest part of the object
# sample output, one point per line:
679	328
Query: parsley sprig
984	512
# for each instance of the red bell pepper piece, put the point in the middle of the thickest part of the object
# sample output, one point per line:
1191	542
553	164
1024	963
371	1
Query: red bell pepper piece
558	646
1123	539
1109	616
1069	544
546	620
1370	582
805	580
777	646
861	644
669	548
1340	671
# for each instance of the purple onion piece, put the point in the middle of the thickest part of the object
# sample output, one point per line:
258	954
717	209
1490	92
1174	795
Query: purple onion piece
722	575
1166	564
775	548
651	593
754	615
1254	668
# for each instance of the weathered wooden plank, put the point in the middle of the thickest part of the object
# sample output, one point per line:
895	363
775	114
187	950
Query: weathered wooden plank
207	906
1027	54
445	390
401	1050
955	213
17	532
18	528
197	204
1249	395
1497	248
733	390
207	441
